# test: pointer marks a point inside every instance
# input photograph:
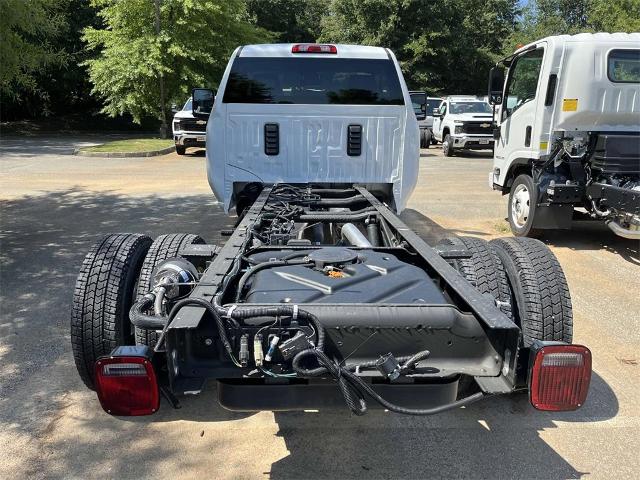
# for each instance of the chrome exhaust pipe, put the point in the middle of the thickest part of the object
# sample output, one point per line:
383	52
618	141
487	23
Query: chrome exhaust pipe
354	236
623	232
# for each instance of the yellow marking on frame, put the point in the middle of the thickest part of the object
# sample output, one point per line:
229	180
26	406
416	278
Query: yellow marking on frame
569	104
544	145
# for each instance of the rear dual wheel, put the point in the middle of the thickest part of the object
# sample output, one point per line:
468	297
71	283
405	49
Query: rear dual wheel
116	270
103	295
162	248
526	280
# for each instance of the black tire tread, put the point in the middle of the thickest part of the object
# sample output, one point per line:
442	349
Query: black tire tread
102	297
540	289
483	270
162	248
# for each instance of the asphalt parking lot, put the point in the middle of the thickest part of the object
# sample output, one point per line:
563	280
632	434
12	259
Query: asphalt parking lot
55	205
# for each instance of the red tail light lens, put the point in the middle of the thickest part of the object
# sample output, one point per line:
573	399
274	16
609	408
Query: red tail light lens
127	386
560	377
313	48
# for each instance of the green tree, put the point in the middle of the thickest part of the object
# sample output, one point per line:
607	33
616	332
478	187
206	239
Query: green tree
543	18
444	47
192	47
615	15
291	21
27	31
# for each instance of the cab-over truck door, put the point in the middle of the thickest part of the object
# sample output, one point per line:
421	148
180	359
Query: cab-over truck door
520	105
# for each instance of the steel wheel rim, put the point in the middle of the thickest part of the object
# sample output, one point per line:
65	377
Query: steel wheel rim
520	206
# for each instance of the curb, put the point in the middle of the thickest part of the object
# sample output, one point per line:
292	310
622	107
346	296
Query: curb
152	153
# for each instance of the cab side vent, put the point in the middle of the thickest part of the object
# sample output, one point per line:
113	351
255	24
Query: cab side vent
354	140
271	139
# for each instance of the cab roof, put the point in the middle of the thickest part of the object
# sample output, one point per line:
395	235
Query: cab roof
600	37
343	51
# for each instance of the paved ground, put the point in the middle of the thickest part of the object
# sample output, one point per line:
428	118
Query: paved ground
55	205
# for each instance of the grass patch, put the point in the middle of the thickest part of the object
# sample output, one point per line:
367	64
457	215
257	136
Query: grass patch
131	145
502	226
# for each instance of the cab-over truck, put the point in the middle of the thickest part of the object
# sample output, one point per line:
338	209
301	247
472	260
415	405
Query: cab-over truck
321	295
568	135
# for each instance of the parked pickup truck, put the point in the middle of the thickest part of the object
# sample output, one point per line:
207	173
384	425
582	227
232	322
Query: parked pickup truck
568	136
188	131
424	107
463	123
321	295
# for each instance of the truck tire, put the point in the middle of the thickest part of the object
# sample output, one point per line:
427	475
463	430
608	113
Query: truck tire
447	146
181	149
522	207
162	248
103	295
542	304
483	270
425	139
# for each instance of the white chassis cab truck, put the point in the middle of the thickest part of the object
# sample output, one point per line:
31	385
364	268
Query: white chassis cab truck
463	123
321	296
568	134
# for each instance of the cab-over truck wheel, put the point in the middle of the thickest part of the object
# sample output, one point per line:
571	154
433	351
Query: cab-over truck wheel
103	295
522	207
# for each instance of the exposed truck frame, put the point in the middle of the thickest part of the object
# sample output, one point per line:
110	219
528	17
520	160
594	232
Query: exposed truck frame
323	296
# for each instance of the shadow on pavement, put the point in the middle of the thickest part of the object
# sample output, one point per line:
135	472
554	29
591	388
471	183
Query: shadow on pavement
42	244
587	235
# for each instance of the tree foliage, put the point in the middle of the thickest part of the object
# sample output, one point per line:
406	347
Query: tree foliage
195	41
543	18
27	32
443	47
290	21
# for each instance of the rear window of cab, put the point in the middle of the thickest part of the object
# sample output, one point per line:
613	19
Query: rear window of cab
285	80
623	66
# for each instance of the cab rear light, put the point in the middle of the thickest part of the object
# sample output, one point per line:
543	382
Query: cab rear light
127	385
560	377
313	48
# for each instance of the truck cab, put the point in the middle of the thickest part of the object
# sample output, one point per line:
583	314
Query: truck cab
463	123
424	107
568	123
303	113
188	131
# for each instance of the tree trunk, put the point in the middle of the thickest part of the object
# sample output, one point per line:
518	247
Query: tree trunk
164	129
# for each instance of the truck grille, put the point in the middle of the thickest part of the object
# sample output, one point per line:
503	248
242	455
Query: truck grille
478	128
193	125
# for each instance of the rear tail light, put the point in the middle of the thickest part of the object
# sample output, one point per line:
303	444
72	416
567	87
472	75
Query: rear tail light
560	377
127	385
313	48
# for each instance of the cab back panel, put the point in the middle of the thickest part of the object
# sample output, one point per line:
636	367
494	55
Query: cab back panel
312	130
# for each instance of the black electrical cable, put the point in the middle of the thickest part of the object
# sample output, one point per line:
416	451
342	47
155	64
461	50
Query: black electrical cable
357	385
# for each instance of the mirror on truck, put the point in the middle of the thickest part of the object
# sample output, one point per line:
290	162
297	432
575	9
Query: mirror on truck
496	84
202	102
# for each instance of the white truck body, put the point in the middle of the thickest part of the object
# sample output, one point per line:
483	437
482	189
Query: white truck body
585	99
313	137
568	116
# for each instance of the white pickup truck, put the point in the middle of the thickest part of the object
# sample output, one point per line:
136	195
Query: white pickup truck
463	123
188	131
568	137
321	296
